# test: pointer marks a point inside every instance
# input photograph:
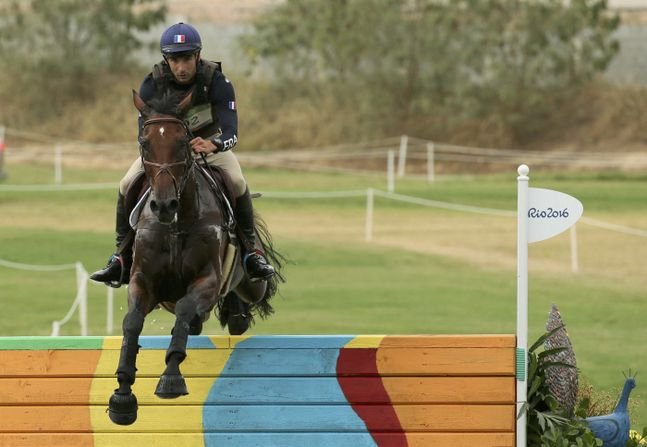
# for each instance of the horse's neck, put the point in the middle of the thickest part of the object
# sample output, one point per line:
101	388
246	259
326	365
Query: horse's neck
198	201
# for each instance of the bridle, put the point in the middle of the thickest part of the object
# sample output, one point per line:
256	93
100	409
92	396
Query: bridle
166	167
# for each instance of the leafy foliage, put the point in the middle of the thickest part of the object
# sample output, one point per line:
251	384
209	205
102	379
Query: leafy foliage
81	33
547	423
63	48
637	439
498	61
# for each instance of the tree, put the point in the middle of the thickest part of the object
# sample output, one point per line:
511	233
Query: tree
105	31
69	41
490	60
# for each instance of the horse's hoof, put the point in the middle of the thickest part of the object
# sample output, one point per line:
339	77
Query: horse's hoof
122	408
238	324
171	386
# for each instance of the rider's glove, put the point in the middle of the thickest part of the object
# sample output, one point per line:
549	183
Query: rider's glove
216	141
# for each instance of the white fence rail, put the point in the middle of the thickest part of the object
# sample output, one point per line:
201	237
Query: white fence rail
416	157
79	304
80	301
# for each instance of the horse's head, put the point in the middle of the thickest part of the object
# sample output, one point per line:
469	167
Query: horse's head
165	152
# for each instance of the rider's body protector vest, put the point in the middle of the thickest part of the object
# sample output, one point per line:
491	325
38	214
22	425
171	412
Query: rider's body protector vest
201	118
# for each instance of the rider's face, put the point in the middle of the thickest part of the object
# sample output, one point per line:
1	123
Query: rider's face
183	67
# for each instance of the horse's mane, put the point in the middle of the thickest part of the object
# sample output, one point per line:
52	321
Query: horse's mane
166	104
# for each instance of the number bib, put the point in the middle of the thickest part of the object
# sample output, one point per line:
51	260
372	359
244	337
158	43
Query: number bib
199	116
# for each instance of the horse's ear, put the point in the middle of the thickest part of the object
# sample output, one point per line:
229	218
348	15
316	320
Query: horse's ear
141	105
183	106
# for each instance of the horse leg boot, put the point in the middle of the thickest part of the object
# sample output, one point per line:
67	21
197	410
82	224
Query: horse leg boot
117	271
122	407
256	266
171	383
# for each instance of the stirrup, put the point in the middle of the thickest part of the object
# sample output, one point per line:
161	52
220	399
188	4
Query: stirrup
263	270
115	261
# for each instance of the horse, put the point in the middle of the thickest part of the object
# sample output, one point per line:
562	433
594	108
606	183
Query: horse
185	256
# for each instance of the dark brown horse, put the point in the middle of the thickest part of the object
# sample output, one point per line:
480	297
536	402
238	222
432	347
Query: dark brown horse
185	256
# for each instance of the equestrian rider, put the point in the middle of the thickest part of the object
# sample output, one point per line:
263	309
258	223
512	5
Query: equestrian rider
213	121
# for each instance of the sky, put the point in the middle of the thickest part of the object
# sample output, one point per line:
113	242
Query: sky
628	4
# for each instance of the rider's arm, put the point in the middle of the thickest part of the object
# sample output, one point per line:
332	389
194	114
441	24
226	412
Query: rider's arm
223	99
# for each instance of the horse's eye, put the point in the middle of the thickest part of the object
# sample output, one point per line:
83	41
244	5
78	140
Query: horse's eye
144	144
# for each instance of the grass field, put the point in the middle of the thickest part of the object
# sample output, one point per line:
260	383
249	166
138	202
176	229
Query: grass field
427	270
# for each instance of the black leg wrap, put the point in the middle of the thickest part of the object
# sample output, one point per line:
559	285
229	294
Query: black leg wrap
239	317
185	311
132	327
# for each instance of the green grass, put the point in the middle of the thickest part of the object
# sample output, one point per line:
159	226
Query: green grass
338	283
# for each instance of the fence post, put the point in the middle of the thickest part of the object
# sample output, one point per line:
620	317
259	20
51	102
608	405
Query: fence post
575	267
431	163
3	175
368	234
522	303
402	158
82	286
58	164
110	310
390	171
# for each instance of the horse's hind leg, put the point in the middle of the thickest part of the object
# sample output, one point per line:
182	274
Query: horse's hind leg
235	313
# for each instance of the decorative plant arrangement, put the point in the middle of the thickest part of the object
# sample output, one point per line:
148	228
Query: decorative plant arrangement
557	416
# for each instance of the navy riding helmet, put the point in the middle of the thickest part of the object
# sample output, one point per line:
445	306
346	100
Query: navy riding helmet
180	38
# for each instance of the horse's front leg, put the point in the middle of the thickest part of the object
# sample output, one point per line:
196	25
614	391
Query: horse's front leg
122	407
200	298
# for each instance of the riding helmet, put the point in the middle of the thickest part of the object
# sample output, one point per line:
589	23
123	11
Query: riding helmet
180	38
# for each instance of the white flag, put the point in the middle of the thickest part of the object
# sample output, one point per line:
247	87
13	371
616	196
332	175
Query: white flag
550	212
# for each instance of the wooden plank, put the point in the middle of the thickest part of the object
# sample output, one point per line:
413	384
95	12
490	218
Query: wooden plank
449	341
263	362
445	389
382	341
254	439
85	363
263	341
46	343
270	418
446	361
245	390
27	363
111	342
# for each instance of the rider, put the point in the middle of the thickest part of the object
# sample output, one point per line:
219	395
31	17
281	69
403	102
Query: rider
213	121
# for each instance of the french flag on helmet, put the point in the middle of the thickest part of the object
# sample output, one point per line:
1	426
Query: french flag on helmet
180	38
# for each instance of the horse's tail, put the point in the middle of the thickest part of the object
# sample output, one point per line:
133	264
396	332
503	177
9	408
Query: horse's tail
263	308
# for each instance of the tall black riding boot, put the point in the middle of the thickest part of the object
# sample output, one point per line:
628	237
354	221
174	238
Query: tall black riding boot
117	271
254	262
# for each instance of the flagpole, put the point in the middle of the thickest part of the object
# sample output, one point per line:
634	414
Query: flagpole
522	302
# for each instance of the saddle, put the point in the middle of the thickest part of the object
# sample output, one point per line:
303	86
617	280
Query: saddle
218	180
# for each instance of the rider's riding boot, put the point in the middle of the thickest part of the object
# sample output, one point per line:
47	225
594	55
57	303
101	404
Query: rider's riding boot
117	271
254	262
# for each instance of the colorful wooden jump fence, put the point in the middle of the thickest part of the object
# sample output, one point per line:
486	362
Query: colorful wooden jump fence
287	391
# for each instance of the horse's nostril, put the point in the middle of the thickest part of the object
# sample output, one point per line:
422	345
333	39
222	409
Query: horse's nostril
154	206
173	205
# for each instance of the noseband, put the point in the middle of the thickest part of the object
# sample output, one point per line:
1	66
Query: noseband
166	167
